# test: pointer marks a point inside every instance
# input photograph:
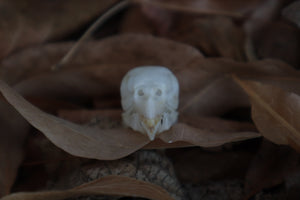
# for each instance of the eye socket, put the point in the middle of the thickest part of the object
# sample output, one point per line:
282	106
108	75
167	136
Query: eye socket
140	92
158	92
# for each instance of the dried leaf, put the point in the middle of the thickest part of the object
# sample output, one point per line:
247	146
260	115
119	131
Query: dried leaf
134	21
200	131
202	137
123	50
161	18
275	112
206	88
215	97
85	116
34	22
269	167
216	124
75	84
109	185
255	13
279	40
215	36
14	130
91	142
265	11
213	7
253	70
77	140
291	12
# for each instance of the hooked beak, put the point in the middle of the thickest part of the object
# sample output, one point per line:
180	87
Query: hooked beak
151	126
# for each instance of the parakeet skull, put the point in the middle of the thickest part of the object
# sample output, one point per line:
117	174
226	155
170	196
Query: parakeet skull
149	97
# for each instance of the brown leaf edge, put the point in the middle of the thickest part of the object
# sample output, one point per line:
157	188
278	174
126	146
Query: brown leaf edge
181	132
87	142
265	104
95	143
14	131
109	185
189	131
191	9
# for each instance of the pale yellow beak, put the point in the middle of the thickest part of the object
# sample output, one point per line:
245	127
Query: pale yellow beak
151	126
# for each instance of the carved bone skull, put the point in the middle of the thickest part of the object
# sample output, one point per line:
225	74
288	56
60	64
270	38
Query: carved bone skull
149	97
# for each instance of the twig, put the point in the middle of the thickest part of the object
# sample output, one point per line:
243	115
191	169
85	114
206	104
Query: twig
103	18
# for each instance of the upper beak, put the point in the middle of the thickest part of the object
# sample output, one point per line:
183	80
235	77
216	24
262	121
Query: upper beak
151	126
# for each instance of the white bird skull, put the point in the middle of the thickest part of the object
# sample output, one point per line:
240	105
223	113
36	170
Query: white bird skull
150	97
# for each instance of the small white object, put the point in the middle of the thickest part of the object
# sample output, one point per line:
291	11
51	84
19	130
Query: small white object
150	97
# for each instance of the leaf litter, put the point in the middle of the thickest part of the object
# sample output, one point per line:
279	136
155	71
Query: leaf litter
204	43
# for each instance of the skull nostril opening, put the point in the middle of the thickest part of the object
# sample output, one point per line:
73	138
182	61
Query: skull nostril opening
158	92
140	93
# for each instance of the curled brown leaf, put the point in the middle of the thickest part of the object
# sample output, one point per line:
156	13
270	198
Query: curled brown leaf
214	7
109	185
202	137
120	51
205	129
92	142
34	22
275	112
269	167
291	12
77	140
14	130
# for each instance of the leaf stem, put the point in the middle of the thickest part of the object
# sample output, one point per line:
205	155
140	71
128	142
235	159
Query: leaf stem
103	18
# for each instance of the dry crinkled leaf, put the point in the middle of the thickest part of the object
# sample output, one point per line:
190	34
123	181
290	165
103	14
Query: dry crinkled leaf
78	140
202	137
85	116
275	112
13	134
161	18
109	185
110	144
82	116
269	167
75	84
215	97
253	70
232	8
134	21
31	22
195	73
255	13
261	15
292	12
199	131
214	94
279	40
216	124
206	88
123	50
215	36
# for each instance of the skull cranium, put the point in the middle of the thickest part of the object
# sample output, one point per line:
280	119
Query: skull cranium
149	97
